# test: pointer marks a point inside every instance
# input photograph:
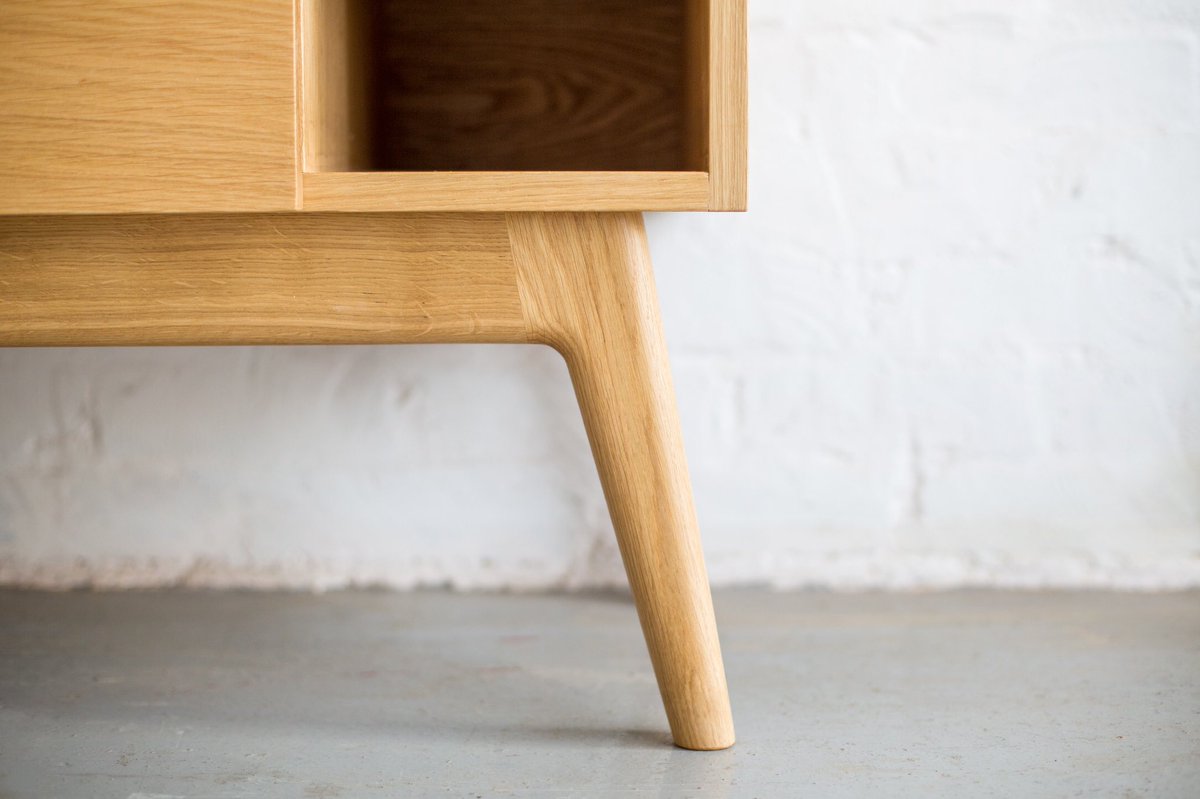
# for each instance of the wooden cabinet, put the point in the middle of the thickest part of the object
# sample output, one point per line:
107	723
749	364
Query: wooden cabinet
372	105
147	106
482	164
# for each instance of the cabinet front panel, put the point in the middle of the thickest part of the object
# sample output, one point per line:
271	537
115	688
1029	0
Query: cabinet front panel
137	105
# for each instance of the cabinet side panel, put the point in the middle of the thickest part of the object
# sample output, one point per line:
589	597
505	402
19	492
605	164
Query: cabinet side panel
728	139
146	106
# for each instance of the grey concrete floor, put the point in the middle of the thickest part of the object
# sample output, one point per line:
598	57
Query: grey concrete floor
143	695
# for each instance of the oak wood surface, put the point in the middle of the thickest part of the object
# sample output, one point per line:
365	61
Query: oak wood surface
546	85
587	287
256	279
505	191
146	106
728	106
532	105
581	283
335	109
141	106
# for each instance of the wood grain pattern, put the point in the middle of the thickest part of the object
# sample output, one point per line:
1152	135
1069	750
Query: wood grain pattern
335	94
728	109
146	106
143	106
581	283
505	191
532	105
588	290
256	279
547	85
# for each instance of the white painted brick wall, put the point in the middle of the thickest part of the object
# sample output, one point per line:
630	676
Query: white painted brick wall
956	341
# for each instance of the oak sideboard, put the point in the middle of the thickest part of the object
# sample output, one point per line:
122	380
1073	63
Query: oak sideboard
391	171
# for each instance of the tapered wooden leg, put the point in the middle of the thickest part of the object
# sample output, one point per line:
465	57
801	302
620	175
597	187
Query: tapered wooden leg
587	289
579	282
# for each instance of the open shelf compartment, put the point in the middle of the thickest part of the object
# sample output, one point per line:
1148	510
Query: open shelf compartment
588	103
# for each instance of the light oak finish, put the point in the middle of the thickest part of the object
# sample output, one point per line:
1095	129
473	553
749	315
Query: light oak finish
465	85
335	88
588	290
256	279
505	191
224	106
125	120
728	108
581	283
466	105
146	106
472	85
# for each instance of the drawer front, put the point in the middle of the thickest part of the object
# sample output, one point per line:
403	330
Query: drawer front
144	106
